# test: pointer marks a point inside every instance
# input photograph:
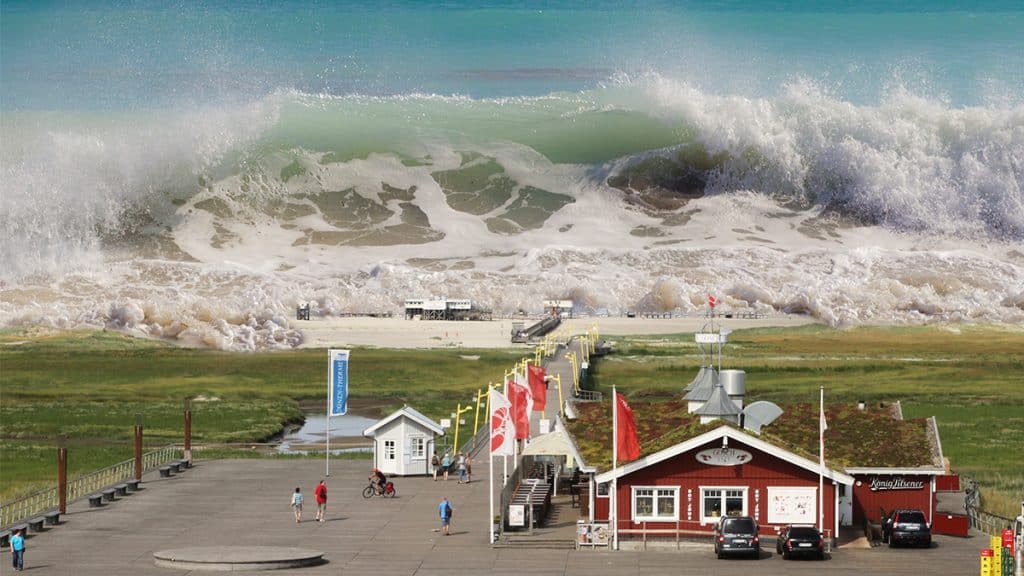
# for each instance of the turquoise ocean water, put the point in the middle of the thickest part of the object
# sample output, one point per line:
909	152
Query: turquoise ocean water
126	125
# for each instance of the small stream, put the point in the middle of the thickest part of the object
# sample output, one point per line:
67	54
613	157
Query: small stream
346	435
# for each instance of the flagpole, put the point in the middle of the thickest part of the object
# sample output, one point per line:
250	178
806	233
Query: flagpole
613	514
821	464
490	478
330	394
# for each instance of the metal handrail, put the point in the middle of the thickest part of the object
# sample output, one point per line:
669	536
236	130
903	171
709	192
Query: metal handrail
81	486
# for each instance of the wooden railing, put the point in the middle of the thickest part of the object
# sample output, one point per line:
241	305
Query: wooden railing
47	499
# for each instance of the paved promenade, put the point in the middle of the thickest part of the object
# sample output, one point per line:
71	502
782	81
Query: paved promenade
245	503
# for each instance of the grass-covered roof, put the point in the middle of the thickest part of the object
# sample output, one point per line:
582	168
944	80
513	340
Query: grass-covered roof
855	438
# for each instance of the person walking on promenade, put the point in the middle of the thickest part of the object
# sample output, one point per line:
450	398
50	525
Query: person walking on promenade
445	511
445	463
462	468
320	494
435	463
469	469
17	541
297	504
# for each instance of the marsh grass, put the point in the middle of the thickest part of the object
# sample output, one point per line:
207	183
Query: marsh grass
87	386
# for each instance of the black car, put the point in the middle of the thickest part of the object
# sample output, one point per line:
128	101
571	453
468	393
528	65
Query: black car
795	540
737	535
904	526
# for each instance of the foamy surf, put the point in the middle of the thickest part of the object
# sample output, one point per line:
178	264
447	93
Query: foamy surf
209	227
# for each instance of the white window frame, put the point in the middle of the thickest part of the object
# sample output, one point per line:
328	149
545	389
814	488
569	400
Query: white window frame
390	449
713	519
418	448
656	496
606	492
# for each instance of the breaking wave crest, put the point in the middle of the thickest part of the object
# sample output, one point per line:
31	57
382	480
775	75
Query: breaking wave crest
209	226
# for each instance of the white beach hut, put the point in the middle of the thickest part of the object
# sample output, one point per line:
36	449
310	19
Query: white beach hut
403	442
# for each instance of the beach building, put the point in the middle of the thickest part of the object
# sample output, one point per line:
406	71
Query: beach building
403	442
693	470
444	309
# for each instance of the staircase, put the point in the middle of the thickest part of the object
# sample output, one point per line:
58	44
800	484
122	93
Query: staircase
558	532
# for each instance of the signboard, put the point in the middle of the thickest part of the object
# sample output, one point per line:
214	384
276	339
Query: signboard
517	515
709	338
723	457
446	423
895	483
792	505
337	382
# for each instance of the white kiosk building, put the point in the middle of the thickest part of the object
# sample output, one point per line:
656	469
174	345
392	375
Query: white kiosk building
403	442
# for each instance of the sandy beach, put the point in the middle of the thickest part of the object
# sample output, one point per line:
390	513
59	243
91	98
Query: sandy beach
401	333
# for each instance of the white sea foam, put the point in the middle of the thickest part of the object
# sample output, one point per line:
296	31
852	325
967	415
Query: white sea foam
107	226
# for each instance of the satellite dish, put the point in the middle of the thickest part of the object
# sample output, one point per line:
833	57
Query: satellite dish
760	414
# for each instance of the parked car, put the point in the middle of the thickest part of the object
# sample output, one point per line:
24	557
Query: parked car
905	526
737	535
797	540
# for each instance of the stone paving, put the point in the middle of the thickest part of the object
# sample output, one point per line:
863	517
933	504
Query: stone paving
245	503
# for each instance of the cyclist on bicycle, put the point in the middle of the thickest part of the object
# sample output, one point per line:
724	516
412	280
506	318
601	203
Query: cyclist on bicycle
378	480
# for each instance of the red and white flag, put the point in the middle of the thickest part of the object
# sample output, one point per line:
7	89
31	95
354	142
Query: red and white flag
627	443
712	300
503	430
538	387
522	403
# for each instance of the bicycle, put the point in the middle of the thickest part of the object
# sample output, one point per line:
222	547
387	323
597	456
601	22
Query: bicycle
389	490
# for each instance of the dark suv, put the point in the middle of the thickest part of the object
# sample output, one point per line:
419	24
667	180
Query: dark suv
904	526
800	541
737	535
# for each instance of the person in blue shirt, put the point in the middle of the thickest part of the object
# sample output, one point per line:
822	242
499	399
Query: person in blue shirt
18	550
445	510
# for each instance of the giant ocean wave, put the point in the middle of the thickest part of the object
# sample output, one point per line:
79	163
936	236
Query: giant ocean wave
208	225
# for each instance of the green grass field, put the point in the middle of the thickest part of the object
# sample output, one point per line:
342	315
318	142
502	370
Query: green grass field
88	386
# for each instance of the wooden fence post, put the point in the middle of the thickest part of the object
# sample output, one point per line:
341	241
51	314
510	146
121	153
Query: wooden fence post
188	430
62	479
138	447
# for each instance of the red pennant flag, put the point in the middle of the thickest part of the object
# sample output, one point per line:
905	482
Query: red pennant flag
519	395
625	436
712	300
538	387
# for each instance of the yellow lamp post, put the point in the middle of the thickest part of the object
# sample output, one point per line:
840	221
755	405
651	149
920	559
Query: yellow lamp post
575	371
459	410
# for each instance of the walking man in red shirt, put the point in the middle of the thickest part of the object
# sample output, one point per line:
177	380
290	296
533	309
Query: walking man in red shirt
321	500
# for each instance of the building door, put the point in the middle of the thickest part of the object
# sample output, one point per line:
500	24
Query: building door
845	505
390	464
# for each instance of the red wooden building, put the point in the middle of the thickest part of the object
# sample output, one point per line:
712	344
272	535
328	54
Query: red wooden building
722	472
875	462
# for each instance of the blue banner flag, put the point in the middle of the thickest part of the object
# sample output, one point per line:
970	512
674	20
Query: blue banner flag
337	385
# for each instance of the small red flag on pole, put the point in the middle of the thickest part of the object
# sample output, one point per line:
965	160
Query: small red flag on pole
538	387
712	300
625	434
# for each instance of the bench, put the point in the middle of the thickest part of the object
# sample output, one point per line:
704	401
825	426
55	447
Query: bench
121	489
133	485
108	495
95	500
165	472
52	518
179	465
5	538
36	524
